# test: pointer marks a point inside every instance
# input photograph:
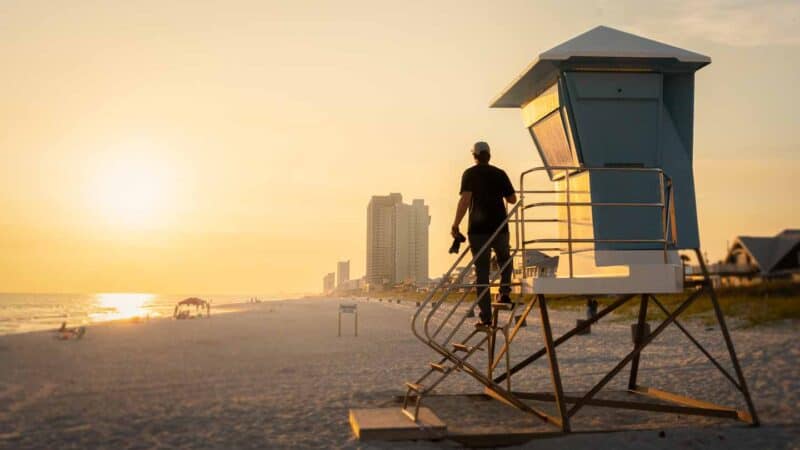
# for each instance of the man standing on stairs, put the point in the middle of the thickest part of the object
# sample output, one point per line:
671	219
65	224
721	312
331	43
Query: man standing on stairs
484	188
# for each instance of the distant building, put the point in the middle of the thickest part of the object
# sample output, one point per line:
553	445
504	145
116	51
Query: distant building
351	285
539	264
342	273
469	277
397	240
411	254
328	283
380	239
754	258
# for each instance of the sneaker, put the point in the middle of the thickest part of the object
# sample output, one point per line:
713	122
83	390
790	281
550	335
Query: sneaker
482	324
504	298
470	314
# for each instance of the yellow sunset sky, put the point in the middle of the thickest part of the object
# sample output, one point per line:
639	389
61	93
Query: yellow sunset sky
232	147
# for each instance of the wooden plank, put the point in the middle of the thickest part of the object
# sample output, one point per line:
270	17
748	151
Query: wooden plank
491	393
682	400
639	406
541	414
677	398
390	424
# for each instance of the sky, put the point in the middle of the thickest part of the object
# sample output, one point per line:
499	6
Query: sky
232	147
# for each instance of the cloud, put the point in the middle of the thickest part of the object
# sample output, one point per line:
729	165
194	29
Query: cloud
744	23
736	23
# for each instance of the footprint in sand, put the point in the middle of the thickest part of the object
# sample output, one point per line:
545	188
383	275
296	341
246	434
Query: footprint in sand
7	394
42	393
8	390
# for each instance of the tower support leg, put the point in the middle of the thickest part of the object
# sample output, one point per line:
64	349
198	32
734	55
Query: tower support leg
555	374
728	342
640	329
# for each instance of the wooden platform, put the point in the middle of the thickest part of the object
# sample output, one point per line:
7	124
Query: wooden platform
390	424
478	420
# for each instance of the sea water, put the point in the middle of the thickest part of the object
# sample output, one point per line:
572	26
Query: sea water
20	313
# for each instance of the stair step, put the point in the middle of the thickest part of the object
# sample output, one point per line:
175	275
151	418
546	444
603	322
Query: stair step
414	386
464	348
484	328
439	367
504	306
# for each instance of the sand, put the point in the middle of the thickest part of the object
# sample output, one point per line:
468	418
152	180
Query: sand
275	375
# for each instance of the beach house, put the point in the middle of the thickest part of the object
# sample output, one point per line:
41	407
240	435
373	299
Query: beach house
752	259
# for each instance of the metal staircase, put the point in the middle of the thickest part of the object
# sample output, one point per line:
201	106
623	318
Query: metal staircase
442	329
439	320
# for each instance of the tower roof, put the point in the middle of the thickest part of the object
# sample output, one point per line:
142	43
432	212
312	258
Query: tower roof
604	45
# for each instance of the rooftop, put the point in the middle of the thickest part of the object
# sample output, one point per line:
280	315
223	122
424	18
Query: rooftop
600	44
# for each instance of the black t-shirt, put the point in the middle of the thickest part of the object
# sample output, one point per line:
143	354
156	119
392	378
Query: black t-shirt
489	186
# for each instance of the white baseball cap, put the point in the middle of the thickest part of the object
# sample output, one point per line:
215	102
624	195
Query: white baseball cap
480	147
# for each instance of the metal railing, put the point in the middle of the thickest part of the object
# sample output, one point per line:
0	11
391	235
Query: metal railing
664	192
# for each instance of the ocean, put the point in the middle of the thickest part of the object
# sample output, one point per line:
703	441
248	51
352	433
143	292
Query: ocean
20	313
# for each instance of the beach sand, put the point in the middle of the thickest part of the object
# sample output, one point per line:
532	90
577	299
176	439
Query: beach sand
275	375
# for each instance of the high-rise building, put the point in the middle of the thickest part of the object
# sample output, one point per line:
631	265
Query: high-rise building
421	222
342	273
397	240
380	238
328	283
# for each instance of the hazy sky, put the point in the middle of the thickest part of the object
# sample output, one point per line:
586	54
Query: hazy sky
232	147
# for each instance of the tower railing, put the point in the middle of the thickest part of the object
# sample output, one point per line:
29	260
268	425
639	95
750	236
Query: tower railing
663	204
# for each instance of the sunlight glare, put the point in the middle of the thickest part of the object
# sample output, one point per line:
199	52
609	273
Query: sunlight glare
126	305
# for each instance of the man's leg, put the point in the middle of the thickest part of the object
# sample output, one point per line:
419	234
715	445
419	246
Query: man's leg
476	241
502	251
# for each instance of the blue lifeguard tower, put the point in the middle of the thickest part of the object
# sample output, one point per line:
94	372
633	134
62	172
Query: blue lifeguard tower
611	116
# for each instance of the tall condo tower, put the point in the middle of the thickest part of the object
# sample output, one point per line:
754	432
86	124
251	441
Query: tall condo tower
397	240
342	272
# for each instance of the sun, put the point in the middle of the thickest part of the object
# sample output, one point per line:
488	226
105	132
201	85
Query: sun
131	190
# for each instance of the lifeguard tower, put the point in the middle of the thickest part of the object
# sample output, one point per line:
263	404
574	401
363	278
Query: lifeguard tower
611	117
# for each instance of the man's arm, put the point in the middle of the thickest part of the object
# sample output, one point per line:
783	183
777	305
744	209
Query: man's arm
461	211
510	194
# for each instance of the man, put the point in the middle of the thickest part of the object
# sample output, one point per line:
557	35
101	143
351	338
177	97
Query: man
483	190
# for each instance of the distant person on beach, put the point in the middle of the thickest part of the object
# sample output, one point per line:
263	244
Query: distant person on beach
484	189
63	333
